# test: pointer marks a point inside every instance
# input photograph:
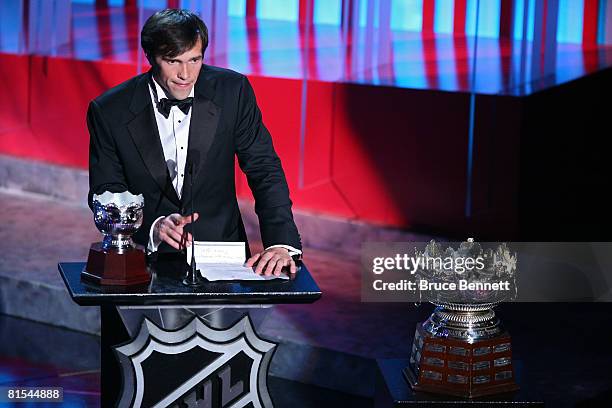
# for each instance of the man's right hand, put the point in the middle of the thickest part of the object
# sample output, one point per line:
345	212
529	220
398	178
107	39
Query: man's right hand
170	230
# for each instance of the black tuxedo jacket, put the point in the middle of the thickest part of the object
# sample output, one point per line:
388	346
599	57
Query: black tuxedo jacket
126	154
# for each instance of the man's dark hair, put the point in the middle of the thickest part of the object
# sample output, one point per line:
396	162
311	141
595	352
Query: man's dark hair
171	32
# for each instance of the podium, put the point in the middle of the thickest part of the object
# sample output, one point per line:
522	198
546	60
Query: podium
166	344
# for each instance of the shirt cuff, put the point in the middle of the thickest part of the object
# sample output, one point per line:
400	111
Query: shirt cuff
292	251
153	243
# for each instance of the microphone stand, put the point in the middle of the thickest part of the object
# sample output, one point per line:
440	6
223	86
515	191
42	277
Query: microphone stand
192	277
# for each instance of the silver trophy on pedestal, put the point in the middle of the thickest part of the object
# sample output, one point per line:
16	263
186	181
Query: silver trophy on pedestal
462	348
117	260
118	216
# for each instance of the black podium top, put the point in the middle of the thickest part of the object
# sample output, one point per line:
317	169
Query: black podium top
166	288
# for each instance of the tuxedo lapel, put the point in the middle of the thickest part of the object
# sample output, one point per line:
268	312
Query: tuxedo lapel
202	129
144	133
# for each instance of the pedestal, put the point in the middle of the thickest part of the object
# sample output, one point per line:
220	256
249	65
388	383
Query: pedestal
109	267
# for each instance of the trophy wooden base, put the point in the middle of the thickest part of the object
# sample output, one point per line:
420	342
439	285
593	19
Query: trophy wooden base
454	367
108	267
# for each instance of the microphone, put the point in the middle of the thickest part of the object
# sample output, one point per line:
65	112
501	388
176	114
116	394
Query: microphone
193	277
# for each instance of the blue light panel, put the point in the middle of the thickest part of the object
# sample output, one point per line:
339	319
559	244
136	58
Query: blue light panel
407	15
363	9
569	26
443	17
601	23
518	19
327	12
236	8
286	10
238	40
10	27
488	20
153	4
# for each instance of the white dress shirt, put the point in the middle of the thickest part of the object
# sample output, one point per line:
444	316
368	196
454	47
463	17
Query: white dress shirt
174	135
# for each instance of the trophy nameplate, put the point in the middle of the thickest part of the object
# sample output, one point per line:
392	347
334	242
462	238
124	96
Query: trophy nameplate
117	260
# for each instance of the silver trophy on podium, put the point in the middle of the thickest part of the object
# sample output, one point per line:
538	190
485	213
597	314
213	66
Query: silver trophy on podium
117	260
118	216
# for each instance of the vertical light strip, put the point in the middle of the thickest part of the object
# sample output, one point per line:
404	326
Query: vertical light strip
368	57
589	22
238	41
327	12
119	42
284	10
571	14
355	38
488	21
53	46
363	11
538	37
20	19
471	26
601	22
385	45
550	47
505	19
519	7
443	16
530	18
608	27
405	14
304	99
236	8
459	17
429	15
470	158
524	41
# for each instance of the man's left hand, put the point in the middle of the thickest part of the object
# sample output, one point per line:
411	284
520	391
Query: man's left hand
272	261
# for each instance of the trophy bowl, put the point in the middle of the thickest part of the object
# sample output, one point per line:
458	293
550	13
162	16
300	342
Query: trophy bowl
117	260
118	216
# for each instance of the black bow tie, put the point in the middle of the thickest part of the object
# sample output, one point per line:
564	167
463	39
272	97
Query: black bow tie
164	105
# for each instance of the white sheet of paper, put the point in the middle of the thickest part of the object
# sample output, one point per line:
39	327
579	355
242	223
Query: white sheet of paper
217	252
224	261
217	272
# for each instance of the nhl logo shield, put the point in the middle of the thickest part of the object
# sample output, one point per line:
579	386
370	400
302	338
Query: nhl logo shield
195	366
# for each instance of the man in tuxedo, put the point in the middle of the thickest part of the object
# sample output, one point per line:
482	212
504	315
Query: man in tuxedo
182	124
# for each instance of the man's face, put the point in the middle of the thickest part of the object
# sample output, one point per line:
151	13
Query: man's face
177	75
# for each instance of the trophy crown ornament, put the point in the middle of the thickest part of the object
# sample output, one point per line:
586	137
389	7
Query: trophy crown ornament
489	265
